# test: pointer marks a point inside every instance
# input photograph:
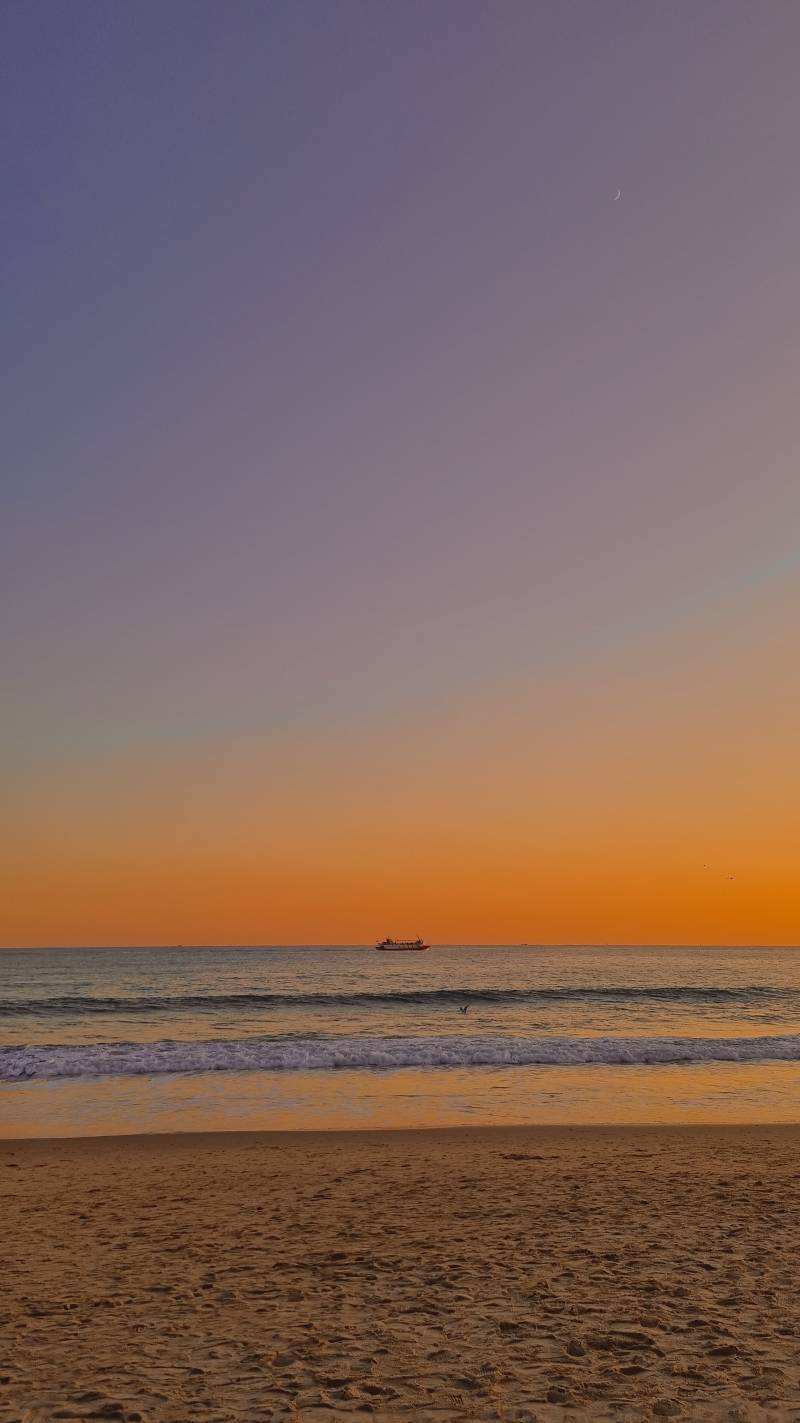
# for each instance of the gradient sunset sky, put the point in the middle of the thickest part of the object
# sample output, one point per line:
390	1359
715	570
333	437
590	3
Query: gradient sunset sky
400	533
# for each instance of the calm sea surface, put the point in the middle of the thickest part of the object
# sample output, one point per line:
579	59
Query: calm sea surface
122	1040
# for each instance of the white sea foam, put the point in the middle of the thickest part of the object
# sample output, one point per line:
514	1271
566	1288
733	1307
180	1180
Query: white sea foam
326	1054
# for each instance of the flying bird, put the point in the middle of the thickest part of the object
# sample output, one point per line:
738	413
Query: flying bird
617	195
465	1009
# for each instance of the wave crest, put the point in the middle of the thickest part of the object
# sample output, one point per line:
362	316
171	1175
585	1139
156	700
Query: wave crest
69	1004
328	1054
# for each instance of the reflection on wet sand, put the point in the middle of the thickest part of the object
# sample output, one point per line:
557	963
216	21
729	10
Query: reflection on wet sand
305	1101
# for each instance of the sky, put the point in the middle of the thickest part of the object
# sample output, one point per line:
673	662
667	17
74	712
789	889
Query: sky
399	460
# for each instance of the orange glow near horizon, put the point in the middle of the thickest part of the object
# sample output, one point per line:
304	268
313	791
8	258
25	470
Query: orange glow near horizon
653	803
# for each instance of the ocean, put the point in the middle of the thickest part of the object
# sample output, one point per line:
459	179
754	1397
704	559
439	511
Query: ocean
101	1041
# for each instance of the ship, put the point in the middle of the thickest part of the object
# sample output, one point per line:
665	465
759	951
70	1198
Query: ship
403	946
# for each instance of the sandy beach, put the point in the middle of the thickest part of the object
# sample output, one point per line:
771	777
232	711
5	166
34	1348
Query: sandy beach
516	1274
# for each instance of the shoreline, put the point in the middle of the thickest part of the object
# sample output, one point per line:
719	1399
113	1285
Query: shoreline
555	1131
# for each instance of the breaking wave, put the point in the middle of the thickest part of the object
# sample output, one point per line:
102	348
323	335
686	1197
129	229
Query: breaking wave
326	1054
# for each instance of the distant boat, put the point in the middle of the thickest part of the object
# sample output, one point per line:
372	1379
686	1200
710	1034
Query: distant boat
403	946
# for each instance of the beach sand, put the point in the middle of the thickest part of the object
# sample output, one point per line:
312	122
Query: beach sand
488	1274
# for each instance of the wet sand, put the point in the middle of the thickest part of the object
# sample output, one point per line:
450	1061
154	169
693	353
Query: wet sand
516	1274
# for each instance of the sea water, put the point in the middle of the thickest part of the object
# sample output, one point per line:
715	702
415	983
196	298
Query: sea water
123	1040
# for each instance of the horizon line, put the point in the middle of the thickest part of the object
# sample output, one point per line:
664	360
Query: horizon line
441	944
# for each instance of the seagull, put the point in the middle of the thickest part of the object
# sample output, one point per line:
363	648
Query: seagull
465	1009
617	195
